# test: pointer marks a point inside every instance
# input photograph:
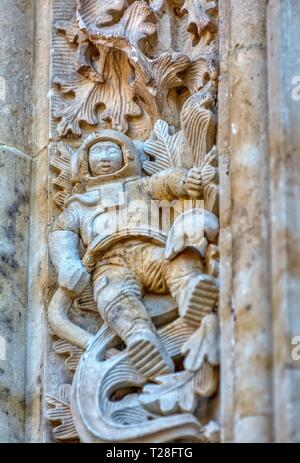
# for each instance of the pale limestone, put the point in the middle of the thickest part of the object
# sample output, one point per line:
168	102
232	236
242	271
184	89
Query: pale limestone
258	398
250	223
14	213
179	163
16	51
284	110
226	308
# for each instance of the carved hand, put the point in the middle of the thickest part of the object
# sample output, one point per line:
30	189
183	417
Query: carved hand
74	278
197	178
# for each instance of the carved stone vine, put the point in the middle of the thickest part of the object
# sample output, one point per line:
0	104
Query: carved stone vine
136	81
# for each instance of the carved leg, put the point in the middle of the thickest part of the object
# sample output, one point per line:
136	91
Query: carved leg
195	292
118	297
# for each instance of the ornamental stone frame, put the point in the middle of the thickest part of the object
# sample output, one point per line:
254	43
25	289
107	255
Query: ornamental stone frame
148	287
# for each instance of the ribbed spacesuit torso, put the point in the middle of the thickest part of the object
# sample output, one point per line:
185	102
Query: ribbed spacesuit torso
114	206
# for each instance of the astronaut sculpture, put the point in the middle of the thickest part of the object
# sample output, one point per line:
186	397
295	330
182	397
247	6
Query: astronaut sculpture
134	240
110	236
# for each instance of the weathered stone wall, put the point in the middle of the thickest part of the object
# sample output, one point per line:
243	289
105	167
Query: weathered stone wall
24	132
16	66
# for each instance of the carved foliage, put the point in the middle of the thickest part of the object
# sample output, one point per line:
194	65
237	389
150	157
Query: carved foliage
200	16
163	148
178	393
61	163
60	411
192	146
119	74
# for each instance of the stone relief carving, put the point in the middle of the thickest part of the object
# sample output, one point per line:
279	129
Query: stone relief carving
128	63
136	241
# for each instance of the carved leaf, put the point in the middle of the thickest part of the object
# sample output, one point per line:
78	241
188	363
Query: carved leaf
207	380
70	28
61	411
162	148
174	393
74	353
203	345
97	13
198	73
198	131
154	79
177	392
86	301
200	16
81	109
198	123
136	23
116	94
61	163
166	70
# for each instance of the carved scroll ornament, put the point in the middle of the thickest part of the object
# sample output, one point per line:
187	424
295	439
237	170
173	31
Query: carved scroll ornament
136	240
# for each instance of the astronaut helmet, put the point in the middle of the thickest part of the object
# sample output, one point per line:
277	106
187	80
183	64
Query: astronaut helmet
106	155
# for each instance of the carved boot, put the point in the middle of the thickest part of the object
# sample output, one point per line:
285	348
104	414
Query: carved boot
128	317
198	299
146	352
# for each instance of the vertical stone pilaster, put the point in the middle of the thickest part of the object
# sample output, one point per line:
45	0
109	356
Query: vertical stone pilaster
38	249
225	305
250	222
284	113
16	50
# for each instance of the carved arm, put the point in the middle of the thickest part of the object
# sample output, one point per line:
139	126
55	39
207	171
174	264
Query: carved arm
65	257
72	278
168	184
178	183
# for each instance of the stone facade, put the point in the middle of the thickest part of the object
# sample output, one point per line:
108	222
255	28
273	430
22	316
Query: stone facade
148	162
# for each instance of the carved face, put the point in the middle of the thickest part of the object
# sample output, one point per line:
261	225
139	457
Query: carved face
105	157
